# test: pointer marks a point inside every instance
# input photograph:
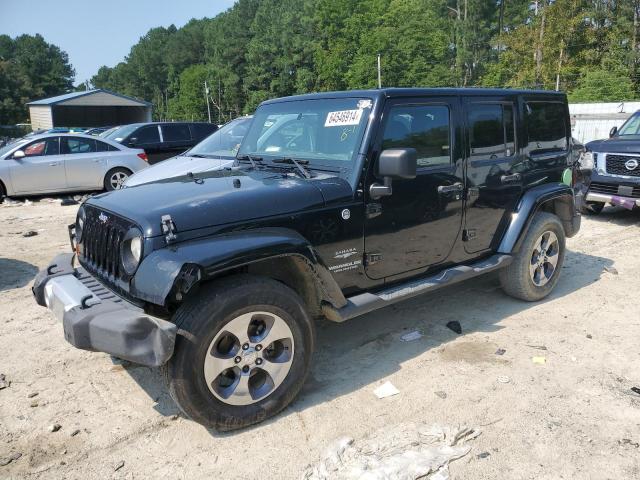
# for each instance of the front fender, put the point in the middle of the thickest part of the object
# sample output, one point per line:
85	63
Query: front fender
158	272
563	200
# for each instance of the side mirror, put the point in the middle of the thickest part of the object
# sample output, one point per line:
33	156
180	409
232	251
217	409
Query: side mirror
18	155
394	163
133	141
612	132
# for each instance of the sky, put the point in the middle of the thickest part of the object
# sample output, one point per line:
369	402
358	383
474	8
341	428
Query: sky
99	33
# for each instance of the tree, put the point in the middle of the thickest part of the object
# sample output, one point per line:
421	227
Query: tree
603	86
30	68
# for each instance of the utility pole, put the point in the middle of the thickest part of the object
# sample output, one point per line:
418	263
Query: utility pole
206	96
379	73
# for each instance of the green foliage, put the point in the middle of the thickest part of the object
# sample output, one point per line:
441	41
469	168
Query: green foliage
30	68
260	49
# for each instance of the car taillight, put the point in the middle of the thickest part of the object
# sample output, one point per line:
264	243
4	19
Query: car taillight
143	156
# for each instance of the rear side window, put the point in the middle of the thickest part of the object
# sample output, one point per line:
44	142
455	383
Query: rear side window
104	147
147	134
491	130
176	133
201	130
69	145
423	127
547	127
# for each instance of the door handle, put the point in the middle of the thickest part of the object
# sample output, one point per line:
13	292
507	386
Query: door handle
54	164
456	187
510	178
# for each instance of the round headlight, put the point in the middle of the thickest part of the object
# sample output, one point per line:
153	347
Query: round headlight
131	251
80	219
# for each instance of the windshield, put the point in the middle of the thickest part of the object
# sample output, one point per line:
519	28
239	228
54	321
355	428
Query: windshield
323	131
119	134
108	132
224	143
631	126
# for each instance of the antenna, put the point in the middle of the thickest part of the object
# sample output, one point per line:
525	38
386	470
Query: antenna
379	73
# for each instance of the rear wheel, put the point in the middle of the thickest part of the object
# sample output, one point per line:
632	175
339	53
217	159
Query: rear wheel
243	352
592	208
3	192
536	267
115	178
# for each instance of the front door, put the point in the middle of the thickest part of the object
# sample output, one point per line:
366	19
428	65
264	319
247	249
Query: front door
418	224
41	169
493	179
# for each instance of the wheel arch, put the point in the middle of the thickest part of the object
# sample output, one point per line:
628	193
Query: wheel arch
555	198
168	276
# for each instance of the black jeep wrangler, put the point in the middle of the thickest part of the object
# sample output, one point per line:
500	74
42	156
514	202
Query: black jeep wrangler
338	204
612	168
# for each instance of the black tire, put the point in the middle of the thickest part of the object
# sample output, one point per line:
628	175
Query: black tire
3	192
516	279
108	183
592	208
202	317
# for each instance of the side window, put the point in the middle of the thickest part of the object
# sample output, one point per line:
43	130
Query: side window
147	134
491	130
47	146
73	145
176	133
104	147
423	127
201	130
546	125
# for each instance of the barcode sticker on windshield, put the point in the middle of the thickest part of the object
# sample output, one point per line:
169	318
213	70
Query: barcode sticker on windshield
343	118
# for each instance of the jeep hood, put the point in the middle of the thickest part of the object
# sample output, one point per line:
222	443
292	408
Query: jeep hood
176	166
220	197
625	144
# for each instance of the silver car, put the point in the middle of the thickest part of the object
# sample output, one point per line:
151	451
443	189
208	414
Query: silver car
50	163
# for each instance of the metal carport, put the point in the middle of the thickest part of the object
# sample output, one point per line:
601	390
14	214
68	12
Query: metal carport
91	108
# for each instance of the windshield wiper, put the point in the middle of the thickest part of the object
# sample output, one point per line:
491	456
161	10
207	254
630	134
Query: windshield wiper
254	160
195	155
298	164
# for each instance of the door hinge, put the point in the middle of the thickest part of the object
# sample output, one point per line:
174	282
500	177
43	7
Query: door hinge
371	258
373	210
468	235
168	229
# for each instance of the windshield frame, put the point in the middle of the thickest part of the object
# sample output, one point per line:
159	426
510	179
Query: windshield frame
314	162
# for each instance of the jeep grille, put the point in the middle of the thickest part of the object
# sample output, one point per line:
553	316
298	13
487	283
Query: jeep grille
101	239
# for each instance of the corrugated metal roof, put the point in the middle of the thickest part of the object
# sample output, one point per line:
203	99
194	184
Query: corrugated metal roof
69	96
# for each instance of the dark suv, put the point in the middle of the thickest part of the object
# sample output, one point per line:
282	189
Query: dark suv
338	204
614	168
162	140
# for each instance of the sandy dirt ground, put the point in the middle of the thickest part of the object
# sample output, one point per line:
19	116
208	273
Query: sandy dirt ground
573	417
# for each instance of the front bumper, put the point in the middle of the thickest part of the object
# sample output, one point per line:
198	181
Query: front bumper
96	319
613	189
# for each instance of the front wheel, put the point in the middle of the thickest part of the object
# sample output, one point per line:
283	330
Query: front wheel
242	354
536	267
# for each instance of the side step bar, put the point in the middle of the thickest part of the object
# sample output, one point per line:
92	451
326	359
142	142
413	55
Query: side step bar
368	302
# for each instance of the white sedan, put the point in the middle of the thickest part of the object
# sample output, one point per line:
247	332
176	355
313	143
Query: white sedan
51	163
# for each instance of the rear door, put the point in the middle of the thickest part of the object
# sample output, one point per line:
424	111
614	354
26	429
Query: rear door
419	223
41	169
494	169
84	165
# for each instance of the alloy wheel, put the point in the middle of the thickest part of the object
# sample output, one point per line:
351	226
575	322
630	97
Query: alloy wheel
544	258
117	180
249	358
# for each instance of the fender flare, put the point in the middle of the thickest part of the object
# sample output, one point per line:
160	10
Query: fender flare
563	201
205	258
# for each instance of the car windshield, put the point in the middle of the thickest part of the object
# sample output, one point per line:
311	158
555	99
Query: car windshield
322	131
108	132
119	134
631	126
224	143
